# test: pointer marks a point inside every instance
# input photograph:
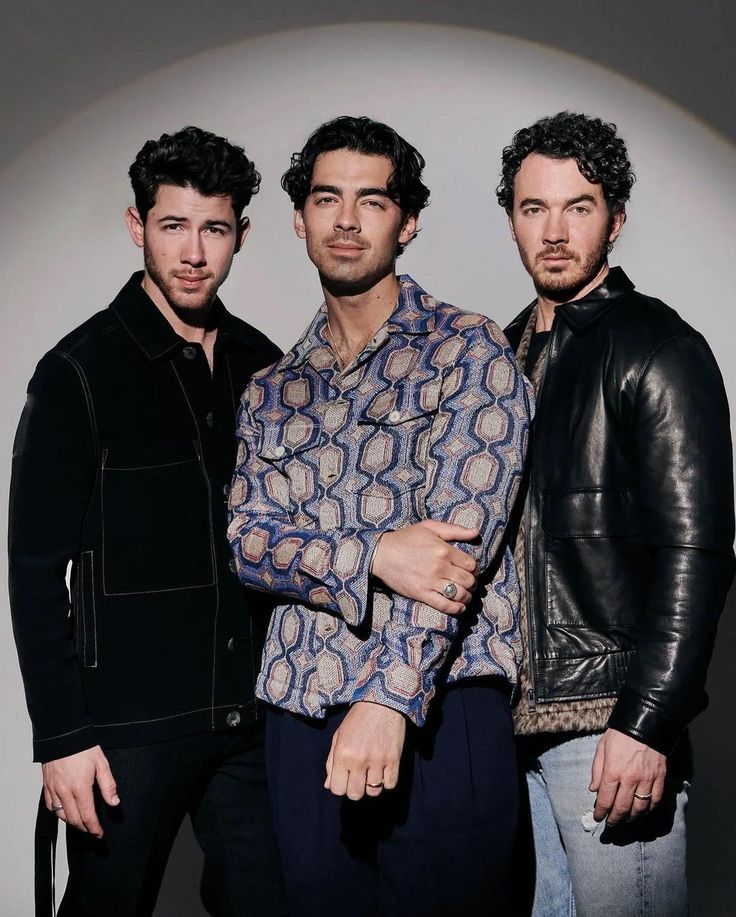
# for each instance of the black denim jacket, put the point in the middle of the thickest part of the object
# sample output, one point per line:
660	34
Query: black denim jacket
630	517
121	465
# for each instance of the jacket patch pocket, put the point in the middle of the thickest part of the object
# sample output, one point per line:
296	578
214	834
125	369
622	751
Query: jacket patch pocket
595	562
85	617
157	525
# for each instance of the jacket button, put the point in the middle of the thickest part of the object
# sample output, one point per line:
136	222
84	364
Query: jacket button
231	644
394	416
233	718
232	565
226	492
210	418
189	352
279	452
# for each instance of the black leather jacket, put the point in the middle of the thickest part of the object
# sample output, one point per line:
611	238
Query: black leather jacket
121	465
630	523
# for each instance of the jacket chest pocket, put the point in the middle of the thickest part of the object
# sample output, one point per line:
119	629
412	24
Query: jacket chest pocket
394	435
156	522
293	449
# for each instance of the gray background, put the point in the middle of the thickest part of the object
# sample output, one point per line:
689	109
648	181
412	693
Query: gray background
86	84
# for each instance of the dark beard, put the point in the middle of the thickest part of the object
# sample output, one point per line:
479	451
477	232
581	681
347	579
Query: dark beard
558	288
195	316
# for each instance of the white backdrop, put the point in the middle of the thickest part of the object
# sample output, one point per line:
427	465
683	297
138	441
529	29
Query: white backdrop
458	96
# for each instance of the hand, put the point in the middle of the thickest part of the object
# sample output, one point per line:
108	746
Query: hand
621	767
366	749
415	561
69	782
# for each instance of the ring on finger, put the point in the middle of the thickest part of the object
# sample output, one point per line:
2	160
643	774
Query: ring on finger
449	590
375	786
56	807
643	796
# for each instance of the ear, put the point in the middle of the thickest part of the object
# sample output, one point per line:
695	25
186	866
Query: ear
617	224
511	227
243	229
409	229
136	226
299	228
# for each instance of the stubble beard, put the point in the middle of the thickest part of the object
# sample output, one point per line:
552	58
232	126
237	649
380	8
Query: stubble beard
195	308
563	285
343	278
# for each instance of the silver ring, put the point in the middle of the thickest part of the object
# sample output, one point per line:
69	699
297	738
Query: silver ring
449	590
374	786
56	809
643	796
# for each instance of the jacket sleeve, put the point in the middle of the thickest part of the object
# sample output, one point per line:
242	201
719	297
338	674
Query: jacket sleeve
478	444
275	553
53	474
683	454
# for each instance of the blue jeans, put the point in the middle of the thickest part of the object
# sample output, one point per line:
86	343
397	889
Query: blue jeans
586	869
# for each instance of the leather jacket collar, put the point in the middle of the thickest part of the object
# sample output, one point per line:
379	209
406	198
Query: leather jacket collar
579	314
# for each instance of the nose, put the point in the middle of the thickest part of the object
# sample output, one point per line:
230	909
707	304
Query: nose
346	218
193	250
555	228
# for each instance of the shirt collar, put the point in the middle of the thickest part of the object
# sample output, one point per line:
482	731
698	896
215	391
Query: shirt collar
414	313
151	331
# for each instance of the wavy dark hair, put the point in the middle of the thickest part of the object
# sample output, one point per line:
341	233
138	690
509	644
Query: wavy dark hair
362	135
193	158
601	155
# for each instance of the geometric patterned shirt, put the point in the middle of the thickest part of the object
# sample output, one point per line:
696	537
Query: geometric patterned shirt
430	421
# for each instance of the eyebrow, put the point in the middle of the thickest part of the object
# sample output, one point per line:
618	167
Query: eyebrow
173	218
362	192
539	202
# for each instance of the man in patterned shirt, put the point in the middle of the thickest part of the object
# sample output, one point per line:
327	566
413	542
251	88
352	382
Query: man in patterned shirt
377	469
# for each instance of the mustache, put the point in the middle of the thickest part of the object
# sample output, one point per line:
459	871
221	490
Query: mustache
346	239
555	251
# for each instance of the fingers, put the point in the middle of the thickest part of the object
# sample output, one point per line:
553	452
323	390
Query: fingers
106	782
87	813
596	770
641	806
462	560
374	782
448	532
69	812
605	799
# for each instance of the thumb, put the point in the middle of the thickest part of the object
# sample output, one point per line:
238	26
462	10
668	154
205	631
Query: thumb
106	782
597	768
449	532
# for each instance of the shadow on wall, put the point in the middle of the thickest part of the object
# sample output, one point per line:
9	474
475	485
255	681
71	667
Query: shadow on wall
712	840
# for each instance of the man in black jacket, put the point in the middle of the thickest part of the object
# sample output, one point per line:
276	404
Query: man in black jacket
142	698
624	547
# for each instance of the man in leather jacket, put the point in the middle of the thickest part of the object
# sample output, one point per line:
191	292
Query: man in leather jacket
624	547
142	698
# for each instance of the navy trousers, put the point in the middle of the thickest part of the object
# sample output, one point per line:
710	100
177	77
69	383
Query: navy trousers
439	844
220	781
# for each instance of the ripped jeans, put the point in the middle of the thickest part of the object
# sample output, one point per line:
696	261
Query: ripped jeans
586	869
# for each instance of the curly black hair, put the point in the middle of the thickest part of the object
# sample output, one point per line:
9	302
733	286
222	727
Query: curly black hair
601	156
193	158
361	135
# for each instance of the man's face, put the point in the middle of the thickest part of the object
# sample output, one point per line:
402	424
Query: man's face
188	243
351	226
562	226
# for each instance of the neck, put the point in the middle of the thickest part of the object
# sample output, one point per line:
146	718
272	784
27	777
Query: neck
548	304
355	317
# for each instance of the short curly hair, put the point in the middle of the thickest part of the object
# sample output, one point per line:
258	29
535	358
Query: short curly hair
361	135
601	155
194	158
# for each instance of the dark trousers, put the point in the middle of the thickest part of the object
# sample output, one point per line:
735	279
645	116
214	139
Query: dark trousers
219	780
439	844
